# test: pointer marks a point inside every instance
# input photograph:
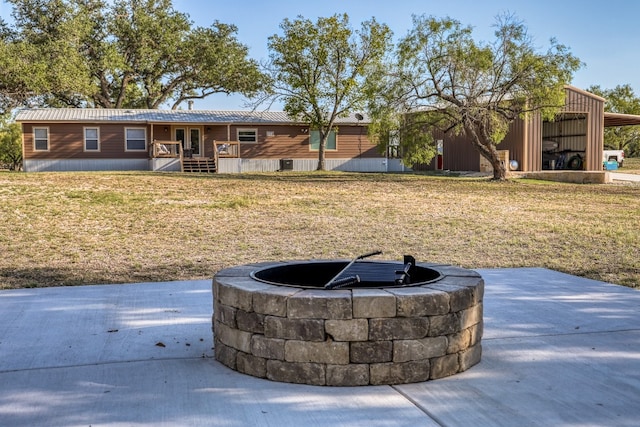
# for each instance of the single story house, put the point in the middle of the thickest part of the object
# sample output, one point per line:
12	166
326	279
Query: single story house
73	139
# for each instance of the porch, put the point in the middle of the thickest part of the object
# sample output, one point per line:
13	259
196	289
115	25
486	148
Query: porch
168	155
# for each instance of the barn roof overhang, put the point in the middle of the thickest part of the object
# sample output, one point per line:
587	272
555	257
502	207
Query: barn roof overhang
618	119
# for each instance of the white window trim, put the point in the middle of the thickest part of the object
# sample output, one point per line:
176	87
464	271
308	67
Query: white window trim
137	150
325	149
254	130
33	132
84	133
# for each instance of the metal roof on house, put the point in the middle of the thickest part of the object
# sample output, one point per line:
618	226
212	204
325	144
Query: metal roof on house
71	115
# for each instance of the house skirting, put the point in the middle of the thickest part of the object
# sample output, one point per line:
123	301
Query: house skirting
225	165
170	164
69	165
375	164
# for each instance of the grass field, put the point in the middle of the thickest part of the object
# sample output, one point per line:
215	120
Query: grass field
631	165
90	228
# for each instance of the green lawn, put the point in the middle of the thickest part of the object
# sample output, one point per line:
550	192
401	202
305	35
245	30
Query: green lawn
89	228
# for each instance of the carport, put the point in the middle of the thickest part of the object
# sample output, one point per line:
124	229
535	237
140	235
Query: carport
618	119
575	139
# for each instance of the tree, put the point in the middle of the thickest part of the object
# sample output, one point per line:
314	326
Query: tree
320	70
10	144
121	54
445	80
43	54
621	99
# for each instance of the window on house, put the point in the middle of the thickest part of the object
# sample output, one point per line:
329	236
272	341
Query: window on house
248	135
314	141
135	139
41	139
91	139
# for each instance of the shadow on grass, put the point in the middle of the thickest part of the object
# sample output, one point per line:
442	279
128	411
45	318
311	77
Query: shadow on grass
39	277
34	277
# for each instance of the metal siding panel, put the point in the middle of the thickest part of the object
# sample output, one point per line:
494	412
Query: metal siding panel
524	140
596	137
581	101
359	165
85	165
165	164
344	165
260	165
534	150
229	165
514	141
307	165
460	155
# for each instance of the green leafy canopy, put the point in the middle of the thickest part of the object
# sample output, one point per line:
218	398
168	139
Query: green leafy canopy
449	82
119	54
321	70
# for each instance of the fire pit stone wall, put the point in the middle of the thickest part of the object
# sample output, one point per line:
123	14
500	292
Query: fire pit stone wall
348	337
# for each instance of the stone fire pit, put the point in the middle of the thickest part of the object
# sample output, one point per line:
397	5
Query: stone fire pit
369	335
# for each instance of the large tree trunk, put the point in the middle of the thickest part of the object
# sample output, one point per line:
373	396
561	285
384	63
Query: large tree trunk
499	170
488	150
321	150
491	153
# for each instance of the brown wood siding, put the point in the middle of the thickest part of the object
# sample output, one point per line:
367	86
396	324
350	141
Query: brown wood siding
288	141
353	142
160	134
213	133
66	141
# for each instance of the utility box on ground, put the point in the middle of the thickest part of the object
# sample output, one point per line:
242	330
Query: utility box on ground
286	164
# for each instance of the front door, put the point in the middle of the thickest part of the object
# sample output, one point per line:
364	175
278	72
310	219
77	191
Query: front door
191	140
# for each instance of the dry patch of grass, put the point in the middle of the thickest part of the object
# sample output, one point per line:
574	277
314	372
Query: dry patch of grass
90	228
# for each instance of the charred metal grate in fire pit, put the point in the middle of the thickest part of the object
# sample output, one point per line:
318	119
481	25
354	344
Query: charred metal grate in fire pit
347	275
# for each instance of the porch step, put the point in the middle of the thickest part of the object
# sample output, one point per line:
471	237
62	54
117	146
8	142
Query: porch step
199	164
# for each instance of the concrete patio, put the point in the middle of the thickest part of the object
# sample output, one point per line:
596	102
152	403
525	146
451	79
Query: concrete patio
558	350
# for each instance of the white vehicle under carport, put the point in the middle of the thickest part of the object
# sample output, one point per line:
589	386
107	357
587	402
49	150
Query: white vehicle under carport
613	156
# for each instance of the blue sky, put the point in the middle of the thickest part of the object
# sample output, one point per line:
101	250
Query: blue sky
603	34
